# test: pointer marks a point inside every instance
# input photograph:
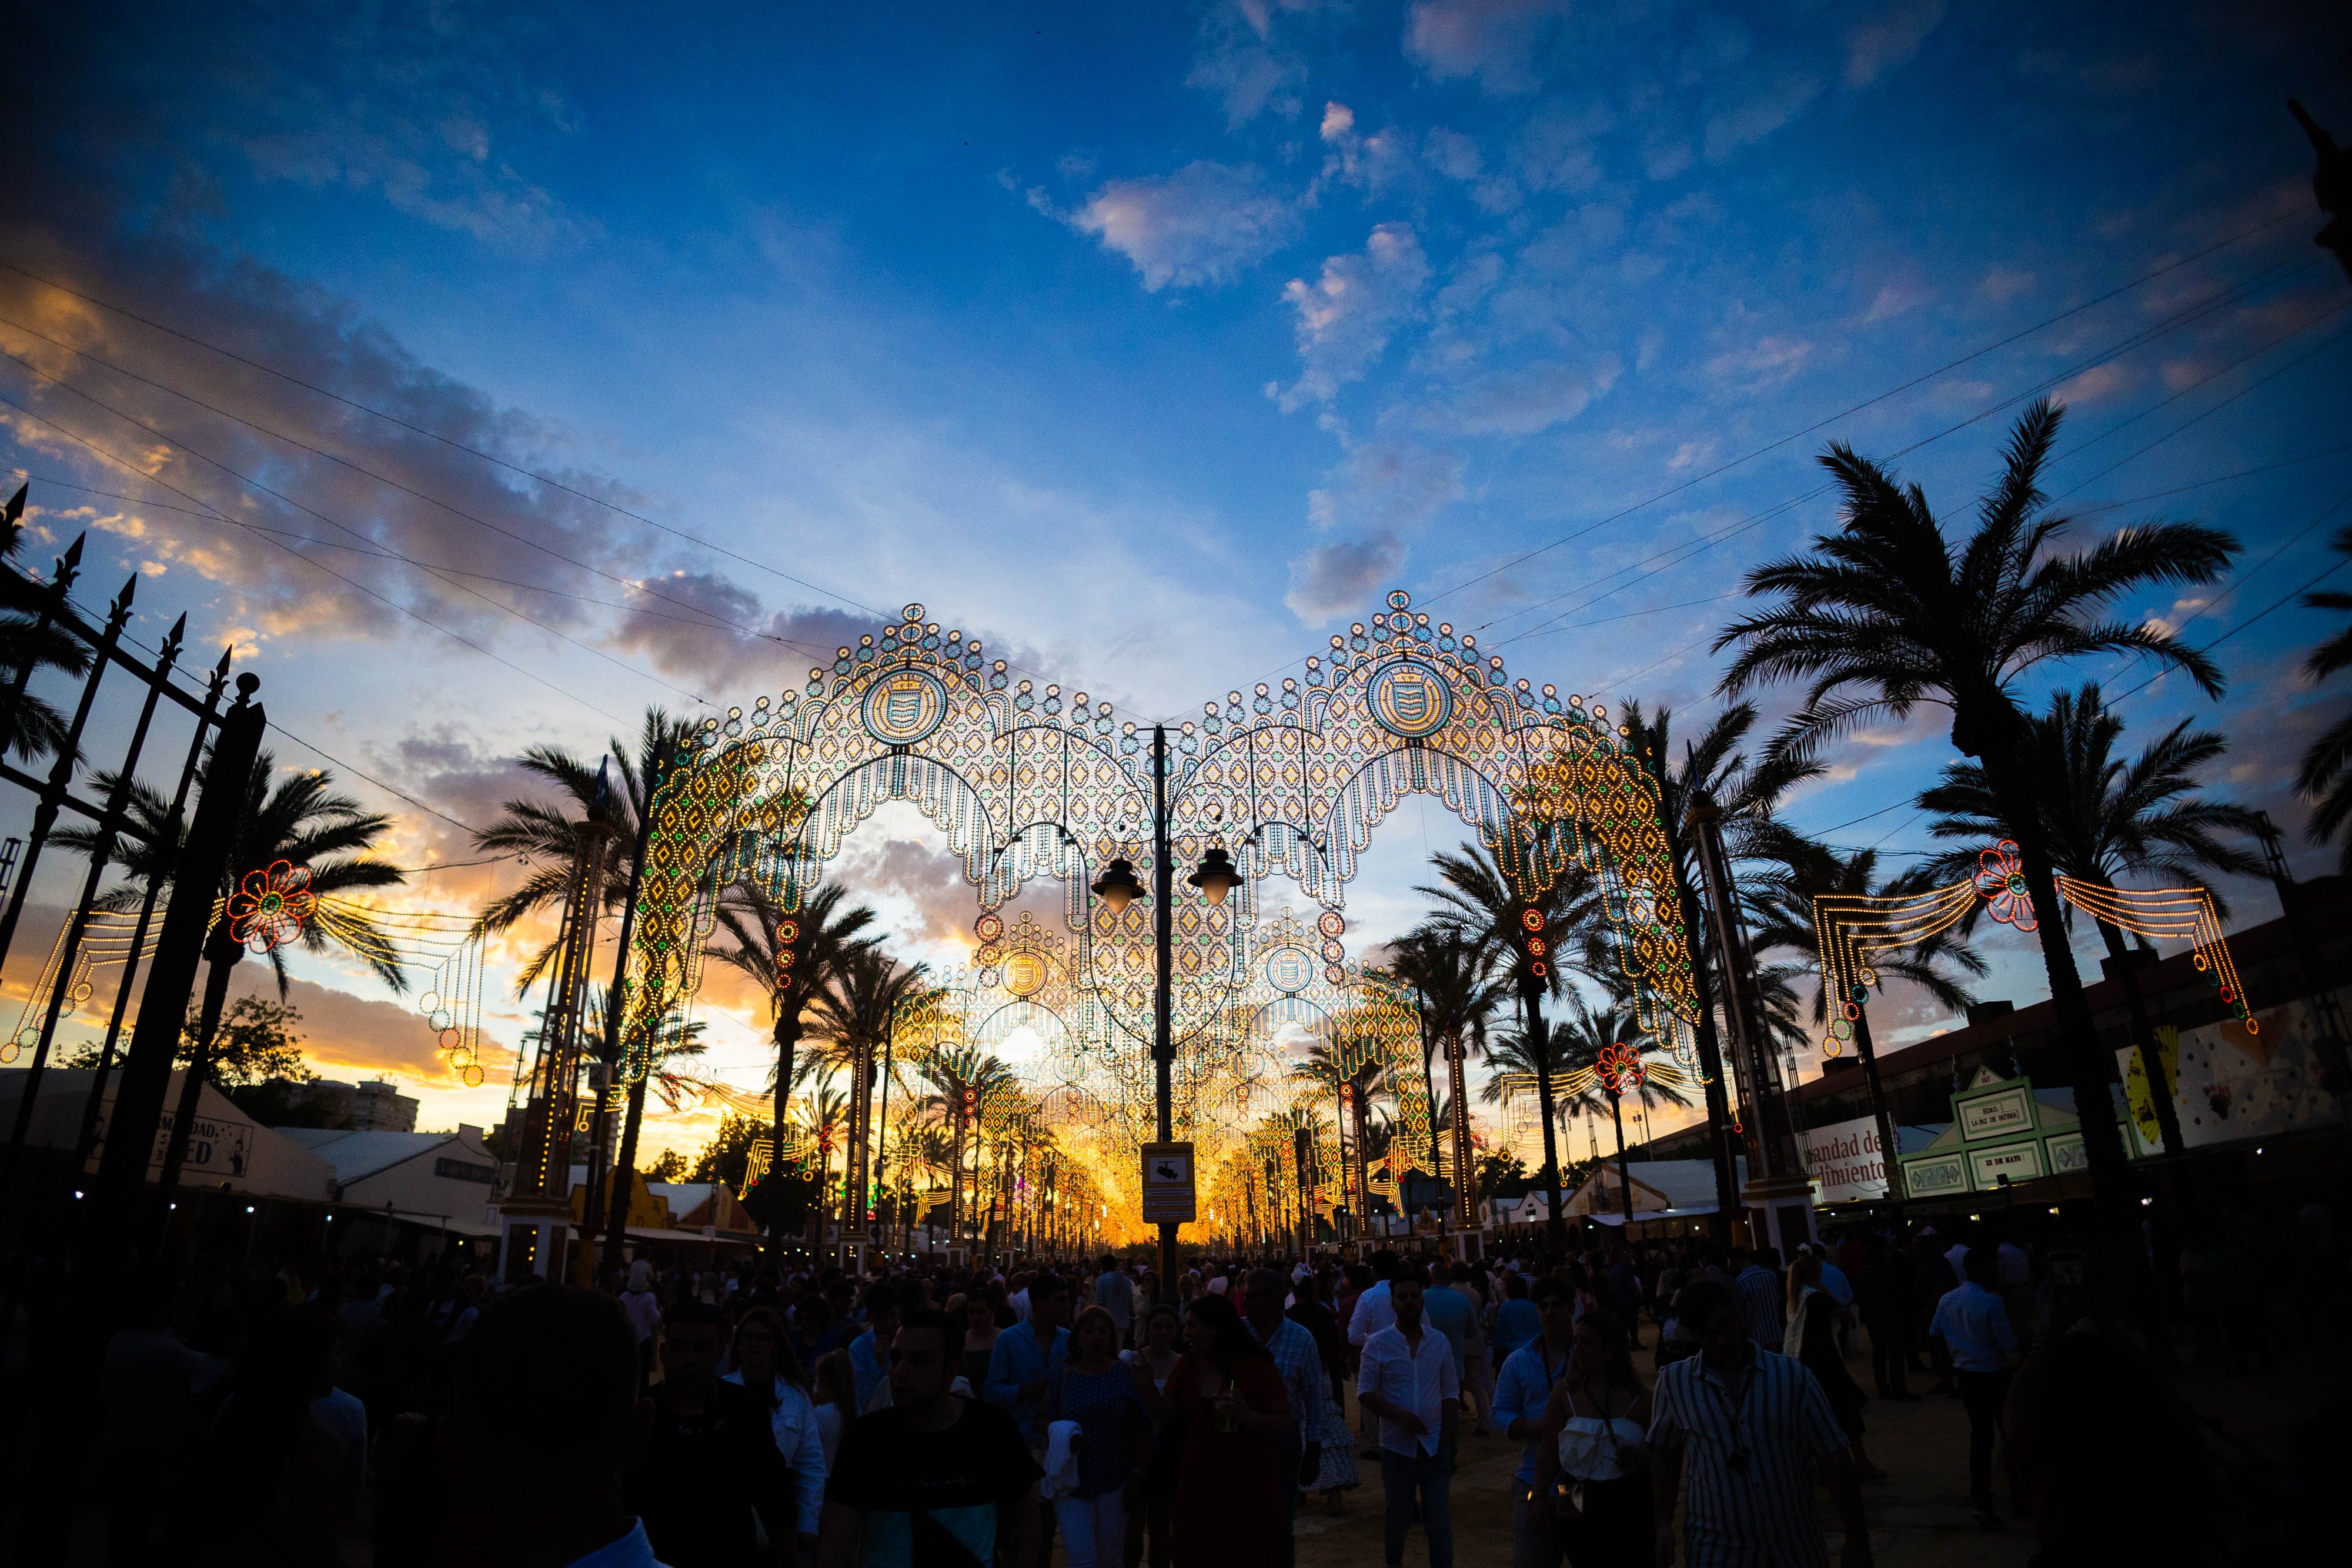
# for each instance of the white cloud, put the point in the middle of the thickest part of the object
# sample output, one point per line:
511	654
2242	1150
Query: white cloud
1889	40
1346	318
1201	225
1530	398
1758	114
1335	578
1494	40
1452	155
1338	119
1770	362
1237	61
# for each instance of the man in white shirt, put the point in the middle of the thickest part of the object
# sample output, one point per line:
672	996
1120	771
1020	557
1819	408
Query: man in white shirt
1407	1379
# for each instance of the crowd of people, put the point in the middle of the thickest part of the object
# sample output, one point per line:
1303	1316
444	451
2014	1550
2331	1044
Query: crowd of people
927	1414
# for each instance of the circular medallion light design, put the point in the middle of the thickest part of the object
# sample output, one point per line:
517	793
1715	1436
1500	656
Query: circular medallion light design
903	707
1288	969
1410	701
1024	974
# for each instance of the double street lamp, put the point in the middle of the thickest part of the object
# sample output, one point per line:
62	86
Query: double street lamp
1217	876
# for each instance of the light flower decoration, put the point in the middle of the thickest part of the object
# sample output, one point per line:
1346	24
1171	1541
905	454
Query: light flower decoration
272	906
1620	1070
2000	877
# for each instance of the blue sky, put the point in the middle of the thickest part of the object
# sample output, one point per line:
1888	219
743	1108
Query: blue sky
1152	342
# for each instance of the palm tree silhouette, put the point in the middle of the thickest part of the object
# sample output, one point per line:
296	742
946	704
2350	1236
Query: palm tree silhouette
965	1081
824	934
2326	776
854	1013
546	836
2106	819
1715	767
1886	615
1475	899
302	819
35	728
1806	870
1453	977
1354	1080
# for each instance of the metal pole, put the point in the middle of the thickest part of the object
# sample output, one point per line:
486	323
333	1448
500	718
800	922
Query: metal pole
78	925
1163	1047
87	1140
154	1040
1720	1147
616	1001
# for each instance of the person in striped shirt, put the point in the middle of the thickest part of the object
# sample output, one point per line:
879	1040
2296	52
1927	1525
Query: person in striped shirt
1749	1428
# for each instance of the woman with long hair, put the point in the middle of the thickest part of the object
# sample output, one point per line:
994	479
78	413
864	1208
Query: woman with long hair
1152	1364
1093	1389
837	1401
1228	1508
1811	1338
1593	1468
767	1370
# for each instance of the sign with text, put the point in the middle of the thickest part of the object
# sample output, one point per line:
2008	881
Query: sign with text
1844	1160
1168	1184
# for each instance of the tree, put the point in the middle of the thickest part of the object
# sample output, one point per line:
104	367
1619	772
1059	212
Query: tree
1716	768
302	819
1807	870
824	934
35	728
669	1165
964	1081
664	1041
546	836
2106	819
2326	776
1476	898
1453	977
1354	1080
855	1013
1885	616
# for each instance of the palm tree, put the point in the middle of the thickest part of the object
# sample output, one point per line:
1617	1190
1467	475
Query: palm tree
824	934
1353	1080
1807	870
1715	768
855	1013
302	819
669	1041
2104	819
1884	615
1452	979
1589	1041
1475	898
963	1079
2325	779
35	727
546	836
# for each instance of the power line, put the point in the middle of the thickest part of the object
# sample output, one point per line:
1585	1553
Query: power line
451	442
1692	549
316	565
1675	555
1868	403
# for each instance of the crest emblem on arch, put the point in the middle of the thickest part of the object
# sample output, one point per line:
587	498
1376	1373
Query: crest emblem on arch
1410	701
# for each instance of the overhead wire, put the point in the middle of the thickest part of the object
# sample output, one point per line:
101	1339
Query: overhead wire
1879	398
451	442
1675	555
353	583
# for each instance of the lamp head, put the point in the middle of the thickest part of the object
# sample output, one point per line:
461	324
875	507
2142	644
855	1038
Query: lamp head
1118	885
1217	875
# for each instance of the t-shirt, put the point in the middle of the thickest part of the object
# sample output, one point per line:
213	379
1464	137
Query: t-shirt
931	1499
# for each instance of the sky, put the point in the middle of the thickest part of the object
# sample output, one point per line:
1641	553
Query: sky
483	378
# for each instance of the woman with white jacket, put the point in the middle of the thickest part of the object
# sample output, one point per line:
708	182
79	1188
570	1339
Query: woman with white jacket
765	1366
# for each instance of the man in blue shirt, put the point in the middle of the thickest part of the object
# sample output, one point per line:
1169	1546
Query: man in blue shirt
1521	1392
1516	1320
1972	1322
869	1352
1028	1353
1451	1313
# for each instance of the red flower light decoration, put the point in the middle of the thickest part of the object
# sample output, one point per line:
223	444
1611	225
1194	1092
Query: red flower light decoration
272	906
1620	1069
2000	877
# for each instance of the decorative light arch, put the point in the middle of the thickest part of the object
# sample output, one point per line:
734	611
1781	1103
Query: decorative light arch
1027	783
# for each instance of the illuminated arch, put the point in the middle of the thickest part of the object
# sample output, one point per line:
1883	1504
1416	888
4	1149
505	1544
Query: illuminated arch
1028	782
